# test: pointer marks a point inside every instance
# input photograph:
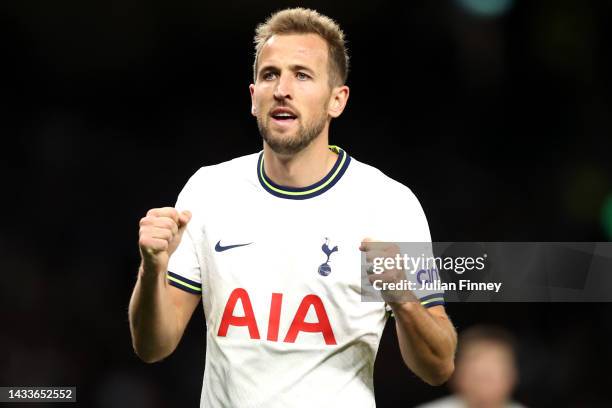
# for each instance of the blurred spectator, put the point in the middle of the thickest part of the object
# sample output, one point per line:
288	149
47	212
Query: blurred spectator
485	373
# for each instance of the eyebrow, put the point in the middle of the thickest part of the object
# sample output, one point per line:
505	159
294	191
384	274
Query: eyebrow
294	68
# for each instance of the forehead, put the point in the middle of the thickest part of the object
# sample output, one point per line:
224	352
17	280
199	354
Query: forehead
486	350
305	49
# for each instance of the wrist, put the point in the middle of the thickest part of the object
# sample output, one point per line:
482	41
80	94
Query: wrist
408	307
149	271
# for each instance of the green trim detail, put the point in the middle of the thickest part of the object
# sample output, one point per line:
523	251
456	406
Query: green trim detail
438	299
183	283
334	149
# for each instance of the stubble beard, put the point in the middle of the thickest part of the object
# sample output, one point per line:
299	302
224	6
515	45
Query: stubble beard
290	145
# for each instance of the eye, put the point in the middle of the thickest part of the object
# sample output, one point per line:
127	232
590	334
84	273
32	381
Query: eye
302	76
268	76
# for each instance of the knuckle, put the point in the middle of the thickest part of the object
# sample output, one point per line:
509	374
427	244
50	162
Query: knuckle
160	222
169	223
167	227
144	243
170	212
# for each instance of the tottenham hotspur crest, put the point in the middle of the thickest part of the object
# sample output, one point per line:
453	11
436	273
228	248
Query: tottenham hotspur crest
324	268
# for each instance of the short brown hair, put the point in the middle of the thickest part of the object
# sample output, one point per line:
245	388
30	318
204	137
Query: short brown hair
306	21
486	334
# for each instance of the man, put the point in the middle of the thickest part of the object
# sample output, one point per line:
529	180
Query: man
270	243
486	371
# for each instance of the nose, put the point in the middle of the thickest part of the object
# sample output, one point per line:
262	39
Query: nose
283	88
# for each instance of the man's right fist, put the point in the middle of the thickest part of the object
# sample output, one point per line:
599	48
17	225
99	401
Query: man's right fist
160	233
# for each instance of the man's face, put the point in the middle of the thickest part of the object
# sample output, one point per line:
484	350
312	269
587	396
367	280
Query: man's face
291	96
485	374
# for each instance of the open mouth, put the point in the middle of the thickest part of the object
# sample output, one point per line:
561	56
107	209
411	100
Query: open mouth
283	115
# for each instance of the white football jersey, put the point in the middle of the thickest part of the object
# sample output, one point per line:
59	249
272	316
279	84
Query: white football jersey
279	271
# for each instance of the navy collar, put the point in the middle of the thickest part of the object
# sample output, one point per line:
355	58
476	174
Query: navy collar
313	190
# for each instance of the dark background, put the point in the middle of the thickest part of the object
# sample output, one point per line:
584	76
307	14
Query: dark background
500	123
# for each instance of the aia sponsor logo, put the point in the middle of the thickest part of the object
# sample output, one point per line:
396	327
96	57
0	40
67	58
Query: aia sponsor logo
298	323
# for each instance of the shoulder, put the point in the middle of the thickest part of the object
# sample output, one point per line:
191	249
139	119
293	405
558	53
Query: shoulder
390	206
222	179
379	185
238	167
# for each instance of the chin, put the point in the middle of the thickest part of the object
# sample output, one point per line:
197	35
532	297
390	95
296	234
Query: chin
281	137
284	145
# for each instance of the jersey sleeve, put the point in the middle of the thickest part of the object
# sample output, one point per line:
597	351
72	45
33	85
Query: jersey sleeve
408	227
184	267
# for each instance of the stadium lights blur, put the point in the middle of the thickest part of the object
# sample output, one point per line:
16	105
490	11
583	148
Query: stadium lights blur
486	8
606	216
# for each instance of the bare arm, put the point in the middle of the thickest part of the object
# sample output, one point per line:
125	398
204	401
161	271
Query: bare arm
159	312
427	340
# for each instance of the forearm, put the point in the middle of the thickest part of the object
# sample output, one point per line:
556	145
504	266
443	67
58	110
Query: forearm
153	322
427	342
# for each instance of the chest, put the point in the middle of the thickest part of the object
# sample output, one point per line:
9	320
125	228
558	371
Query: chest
288	269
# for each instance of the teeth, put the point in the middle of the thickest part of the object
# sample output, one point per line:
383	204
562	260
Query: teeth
284	115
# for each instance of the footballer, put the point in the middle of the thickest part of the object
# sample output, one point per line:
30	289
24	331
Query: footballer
270	246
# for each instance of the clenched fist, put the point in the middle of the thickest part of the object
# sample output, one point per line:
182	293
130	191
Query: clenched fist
386	250
160	233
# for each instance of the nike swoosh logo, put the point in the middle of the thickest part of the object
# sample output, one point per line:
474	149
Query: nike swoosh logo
220	248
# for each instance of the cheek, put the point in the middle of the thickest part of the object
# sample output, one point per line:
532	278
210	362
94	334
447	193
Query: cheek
261	93
258	96
317	101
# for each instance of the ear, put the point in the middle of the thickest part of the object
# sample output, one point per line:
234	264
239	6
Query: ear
253	104
338	100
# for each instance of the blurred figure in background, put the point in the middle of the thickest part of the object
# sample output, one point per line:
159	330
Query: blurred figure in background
485	371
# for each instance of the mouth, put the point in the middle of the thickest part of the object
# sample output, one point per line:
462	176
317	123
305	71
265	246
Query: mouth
283	115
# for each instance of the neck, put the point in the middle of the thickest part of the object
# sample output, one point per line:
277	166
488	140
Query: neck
303	168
